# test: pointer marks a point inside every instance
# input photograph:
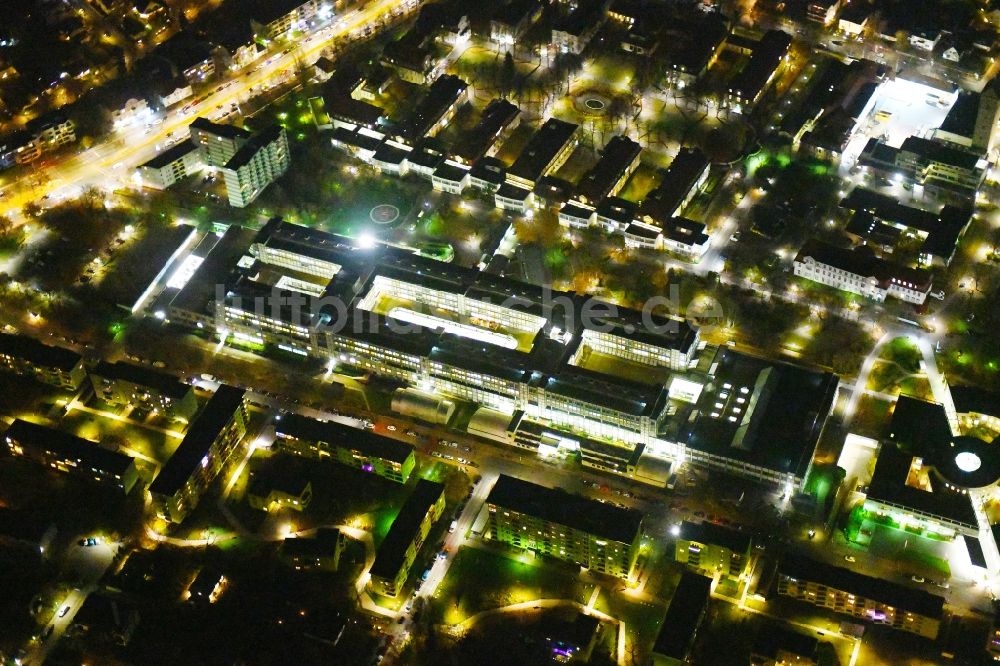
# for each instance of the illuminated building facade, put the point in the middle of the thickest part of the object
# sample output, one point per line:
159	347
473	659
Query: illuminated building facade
125	384
71	454
568	527
214	438
396	553
329	440
713	549
863	597
28	357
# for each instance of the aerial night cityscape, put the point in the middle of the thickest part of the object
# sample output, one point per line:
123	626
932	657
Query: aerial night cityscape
455	332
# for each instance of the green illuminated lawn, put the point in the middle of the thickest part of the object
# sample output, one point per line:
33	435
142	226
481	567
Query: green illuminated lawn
480	580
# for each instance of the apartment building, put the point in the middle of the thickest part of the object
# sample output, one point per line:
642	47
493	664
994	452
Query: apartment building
28	357
330	440
258	163
213	440
143	388
552	522
399	548
71	454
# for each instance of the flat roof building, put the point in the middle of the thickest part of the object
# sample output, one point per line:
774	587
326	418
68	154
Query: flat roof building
71	454
618	161
255	165
214	438
679	628
438	106
762	416
863	597
126	384
498	120
26	356
174	164
546	151
711	549
399	548
356	448
569	527
682	180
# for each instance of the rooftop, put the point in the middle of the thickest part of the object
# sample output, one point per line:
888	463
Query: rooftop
562	508
365	442
220	129
619	154
171	155
497	115
443	94
165	384
257	143
716	535
38	353
934	151
542	148
762	413
876	589
683	173
65	445
775	638
198	440
862	261
683	616
392	551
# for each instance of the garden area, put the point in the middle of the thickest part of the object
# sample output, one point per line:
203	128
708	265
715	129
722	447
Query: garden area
480	580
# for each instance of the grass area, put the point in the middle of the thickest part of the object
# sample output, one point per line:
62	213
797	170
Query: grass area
643	180
131	437
480	580
871	416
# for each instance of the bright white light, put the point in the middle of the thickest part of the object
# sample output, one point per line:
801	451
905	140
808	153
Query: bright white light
366	241
464	330
675	530
184	272
968	462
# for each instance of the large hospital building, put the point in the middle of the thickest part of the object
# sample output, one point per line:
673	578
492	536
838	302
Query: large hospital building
569	361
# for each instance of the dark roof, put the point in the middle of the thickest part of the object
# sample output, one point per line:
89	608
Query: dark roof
512	13
622	395
392	551
619	154
921	428
976	400
344	107
37	353
975	548
489	169
716	535
267	11
220	129
198	440
863	261
258	142
617	209
63	444
322	544
562	508
279	477
685	230
943	229
684	171
935	151
961	118
684	614
450	172
511	191
774	638
335	433
779	424
764	60
877	589
497	115
165	384
542	148
171	154
443	93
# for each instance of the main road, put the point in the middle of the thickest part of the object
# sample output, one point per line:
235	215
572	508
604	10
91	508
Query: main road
110	162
